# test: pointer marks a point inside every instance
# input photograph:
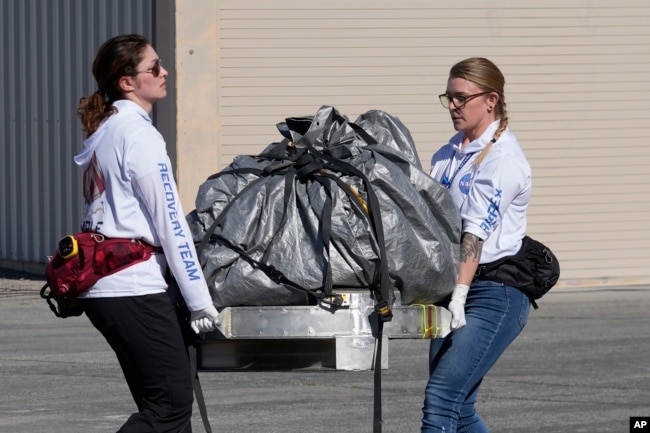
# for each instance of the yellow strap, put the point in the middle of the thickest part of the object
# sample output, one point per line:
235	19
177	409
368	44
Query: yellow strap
429	325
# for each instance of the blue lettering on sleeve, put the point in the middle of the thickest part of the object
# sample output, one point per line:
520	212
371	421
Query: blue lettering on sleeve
178	230
492	212
191	267
193	274
170	198
187	254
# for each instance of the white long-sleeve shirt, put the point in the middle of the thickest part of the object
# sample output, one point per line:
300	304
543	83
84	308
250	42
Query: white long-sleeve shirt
130	192
493	197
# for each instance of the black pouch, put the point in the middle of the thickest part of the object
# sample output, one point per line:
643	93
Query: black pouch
534	269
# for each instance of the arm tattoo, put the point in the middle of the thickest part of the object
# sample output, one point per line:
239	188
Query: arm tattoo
470	248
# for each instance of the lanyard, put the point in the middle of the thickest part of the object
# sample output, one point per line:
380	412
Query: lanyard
446	182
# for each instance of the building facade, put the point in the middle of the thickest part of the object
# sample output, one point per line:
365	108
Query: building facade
577	90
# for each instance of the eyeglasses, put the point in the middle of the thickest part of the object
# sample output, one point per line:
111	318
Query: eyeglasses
154	70
458	100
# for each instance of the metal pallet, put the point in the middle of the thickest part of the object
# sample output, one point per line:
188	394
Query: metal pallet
317	336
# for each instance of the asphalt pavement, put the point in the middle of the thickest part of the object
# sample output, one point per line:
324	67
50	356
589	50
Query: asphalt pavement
581	365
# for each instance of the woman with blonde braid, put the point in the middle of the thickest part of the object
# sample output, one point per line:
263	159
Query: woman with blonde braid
489	179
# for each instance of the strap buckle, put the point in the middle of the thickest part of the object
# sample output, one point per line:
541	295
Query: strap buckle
383	311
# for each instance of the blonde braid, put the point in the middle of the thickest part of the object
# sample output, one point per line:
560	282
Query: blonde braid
503	124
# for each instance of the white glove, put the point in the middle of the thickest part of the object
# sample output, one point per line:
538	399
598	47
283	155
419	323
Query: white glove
205	320
457	306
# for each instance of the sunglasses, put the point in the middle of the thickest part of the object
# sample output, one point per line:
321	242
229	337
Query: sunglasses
154	70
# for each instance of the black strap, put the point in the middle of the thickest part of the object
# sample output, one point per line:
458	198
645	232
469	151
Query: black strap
326	230
377	412
380	286
369	139
192	341
196	384
278	167
63	307
374	206
274	274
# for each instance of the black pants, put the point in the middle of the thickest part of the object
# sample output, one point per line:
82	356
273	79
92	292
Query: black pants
147	338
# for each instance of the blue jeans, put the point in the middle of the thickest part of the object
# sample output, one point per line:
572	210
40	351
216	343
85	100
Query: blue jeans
495	315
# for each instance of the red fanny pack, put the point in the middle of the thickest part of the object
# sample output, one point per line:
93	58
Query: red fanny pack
82	259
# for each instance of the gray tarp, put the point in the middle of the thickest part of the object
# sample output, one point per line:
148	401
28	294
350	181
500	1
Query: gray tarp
273	212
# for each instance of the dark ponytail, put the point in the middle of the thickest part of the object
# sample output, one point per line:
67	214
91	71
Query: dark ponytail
117	57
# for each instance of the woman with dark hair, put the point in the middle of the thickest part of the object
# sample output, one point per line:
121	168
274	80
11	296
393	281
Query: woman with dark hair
130	193
489	179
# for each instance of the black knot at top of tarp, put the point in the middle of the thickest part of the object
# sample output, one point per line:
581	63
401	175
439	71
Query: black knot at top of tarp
306	165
